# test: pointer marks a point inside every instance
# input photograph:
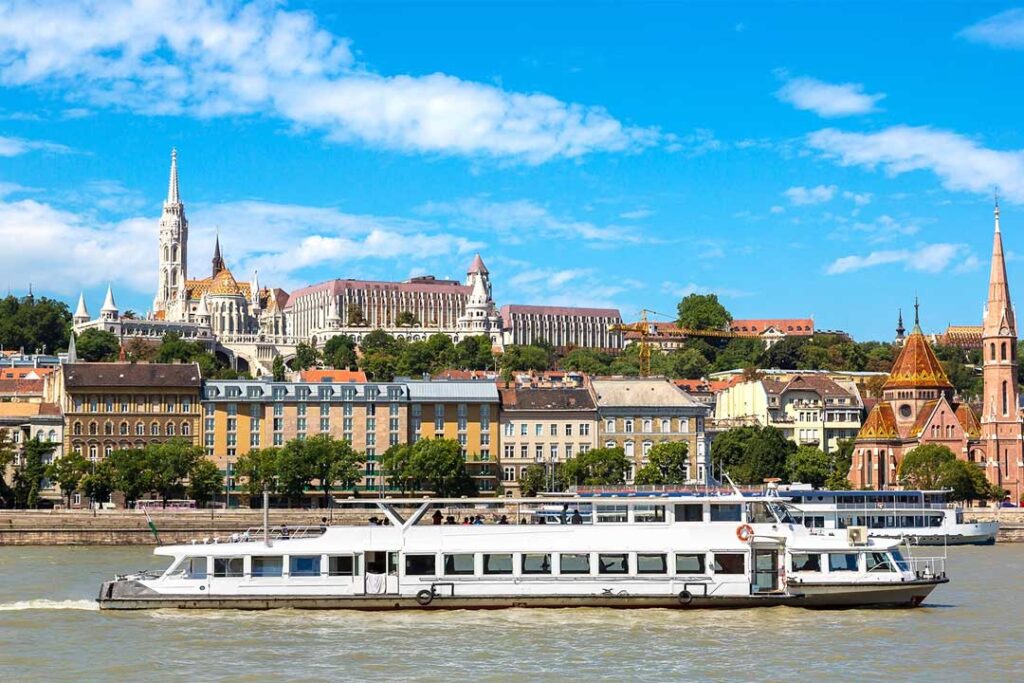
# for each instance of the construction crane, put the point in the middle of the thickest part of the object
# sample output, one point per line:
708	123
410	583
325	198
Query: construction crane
645	330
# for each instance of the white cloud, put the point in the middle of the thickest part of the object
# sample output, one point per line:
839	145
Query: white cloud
828	100
211	58
777	209
636	214
802	196
12	147
1005	29
928	258
565	287
514	220
959	162
860	199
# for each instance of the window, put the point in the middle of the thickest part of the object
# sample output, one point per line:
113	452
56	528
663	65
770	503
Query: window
651	564
510	429
266	566
689	512
648	514
154	429
648	426
460	564
538	429
574	563
802	562
725	513
536	563
878	562
422	565
842	562
690	564
584	429
611	514
194	567
568	429
186	429
498	563
227	566
613	563
123	429
729	563
523	429
666	426
628	426
304	565
609	425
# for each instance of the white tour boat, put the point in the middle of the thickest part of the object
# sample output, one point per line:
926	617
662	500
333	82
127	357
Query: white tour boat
921	517
625	552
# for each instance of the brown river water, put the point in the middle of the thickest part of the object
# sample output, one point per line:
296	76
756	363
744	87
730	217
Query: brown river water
971	629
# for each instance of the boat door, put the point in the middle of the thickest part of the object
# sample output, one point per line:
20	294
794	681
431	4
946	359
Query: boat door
766	571
381	575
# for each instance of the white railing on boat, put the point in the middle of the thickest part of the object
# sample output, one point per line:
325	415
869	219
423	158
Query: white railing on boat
274	533
885	506
927	567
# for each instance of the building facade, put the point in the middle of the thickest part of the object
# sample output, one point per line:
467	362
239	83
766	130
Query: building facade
810	410
544	426
564	327
636	413
114	406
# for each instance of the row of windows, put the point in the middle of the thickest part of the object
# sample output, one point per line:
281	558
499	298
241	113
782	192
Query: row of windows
155	404
647	426
538	429
542	452
126	429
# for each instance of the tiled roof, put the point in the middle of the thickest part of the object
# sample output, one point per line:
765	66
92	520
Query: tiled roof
773	386
23	409
546	398
881	424
917	367
968	420
923	415
825	387
703	386
338	376
132	374
522	309
466	374
21	387
790	326
649	392
24	373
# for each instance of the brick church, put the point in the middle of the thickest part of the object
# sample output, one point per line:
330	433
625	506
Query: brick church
919	404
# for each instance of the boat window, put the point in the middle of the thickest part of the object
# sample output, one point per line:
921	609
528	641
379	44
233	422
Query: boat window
341	565
689	564
651	564
498	563
267	566
228	566
195	568
690	512
814	521
574	563
304	565
725	513
842	562
609	514
729	563
878	562
758	513
613	563
901	562
536	563
803	562
647	514
460	564
424	565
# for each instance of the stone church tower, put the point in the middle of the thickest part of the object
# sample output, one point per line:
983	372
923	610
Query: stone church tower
1000	417
172	273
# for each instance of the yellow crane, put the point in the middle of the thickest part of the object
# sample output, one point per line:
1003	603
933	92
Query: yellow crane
643	328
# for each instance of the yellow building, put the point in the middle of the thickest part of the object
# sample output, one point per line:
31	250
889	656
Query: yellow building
466	411
810	410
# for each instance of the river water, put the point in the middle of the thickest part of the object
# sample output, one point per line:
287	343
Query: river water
970	629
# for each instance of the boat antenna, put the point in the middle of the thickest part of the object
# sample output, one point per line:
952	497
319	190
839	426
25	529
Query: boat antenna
735	488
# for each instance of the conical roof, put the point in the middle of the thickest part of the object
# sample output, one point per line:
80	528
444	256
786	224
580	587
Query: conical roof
477	266
881	423
81	311
917	367
108	302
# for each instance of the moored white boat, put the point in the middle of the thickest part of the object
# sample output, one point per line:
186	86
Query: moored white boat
624	552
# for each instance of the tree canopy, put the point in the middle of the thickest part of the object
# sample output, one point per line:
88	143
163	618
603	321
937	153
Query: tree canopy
702	312
94	345
596	467
34	324
749	455
667	464
921	468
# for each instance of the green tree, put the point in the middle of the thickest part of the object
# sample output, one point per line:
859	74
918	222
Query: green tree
395	467
589	361
29	475
965	481
379	366
596	467
97	345
340	352
407	319
842	459
259	469
98	484
130	473
517	358
688	363
379	340
169	463
533	480
749	455
205	482
305	357
415	359
702	312
34	324
667	464
438	466
474	353
294	475
740	352
332	462
921	468
809	465
785	353
278	369
67	473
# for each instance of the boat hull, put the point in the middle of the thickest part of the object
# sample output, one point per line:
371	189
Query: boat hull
131	595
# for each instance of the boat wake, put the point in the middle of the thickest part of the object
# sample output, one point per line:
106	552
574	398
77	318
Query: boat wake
42	604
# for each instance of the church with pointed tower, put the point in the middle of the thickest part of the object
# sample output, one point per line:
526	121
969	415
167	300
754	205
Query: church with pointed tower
919	404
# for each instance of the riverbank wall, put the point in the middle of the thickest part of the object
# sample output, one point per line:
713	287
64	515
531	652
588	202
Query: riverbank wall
130	527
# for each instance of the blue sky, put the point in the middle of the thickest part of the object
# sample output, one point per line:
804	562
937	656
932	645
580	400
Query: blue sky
828	160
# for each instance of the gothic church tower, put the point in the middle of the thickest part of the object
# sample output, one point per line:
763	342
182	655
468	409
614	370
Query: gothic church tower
1000	417
169	302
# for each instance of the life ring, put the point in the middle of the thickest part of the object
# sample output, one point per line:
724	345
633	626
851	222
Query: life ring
744	532
685	597
425	597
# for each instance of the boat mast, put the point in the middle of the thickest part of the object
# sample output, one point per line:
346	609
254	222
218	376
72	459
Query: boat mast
266	517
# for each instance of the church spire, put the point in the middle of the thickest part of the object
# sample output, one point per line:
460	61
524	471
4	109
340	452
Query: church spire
218	261
172	185
901	331
999	317
917	317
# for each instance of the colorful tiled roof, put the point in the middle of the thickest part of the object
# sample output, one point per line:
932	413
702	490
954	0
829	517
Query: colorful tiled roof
881	423
923	416
917	367
969	421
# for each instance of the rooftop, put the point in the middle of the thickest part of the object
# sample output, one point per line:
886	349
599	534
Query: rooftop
132	374
452	390
546	398
524	309
338	376
650	392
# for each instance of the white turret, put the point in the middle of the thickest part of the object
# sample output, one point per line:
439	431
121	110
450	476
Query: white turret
81	313
254	291
109	310
172	272
480	317
202	315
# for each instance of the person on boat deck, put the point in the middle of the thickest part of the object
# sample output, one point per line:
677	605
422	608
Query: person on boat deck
323	524
374	521
386	522
478	520
563	515
542	521
577	518
451	520
284	531
437	517
466	520
503	520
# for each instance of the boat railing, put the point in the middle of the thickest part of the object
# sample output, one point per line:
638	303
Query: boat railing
927	567
892	506
274	533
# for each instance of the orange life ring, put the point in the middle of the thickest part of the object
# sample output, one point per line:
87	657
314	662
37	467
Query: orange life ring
744	532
